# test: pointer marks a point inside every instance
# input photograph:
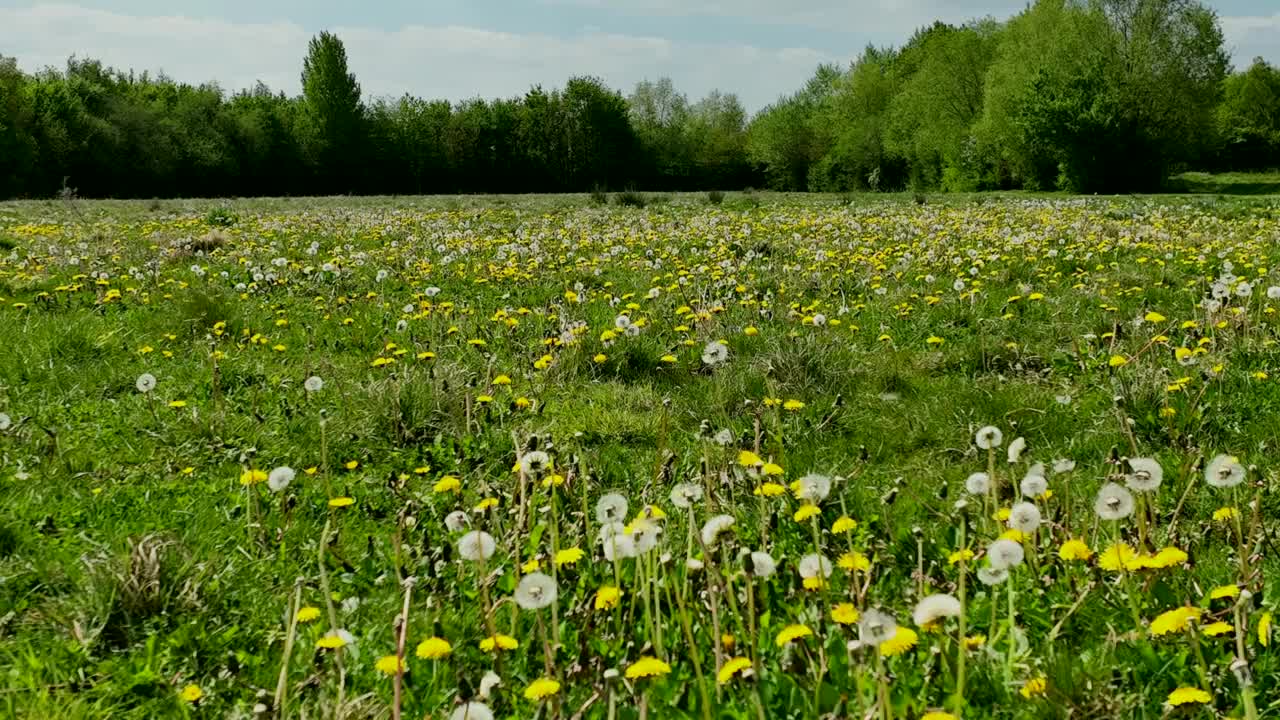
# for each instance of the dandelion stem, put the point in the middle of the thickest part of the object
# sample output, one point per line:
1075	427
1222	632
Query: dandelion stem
693	655
958	698
398	681
282	684
333	617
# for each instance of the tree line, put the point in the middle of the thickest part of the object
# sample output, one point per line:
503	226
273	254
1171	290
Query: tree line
1081	95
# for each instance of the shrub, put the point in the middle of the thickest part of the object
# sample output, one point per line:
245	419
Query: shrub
630	198
715	197
220	217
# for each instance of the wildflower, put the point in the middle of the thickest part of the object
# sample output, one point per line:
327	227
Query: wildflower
433	648
485	504
935	607
1033	485
715	353
535	463
845	613
761	564
1117	361
685	495
1224	471
1225	591
536	591
1223	514
1188	695
280	478
746	458
938	715
145	383
843	525
959	556
1146	476
791	633
390	665
611	507
499	642
793	405
308	614
1024	517
988	437
806	511
313	384
647	667
992	576
1005	554
876	627
1075	549
178	404
1113	502
1034	687
541	688
813	565
712	528
1217	628
341	502
731	668
190	693
476	545
1264	629
854	560
1175	620
607	597
448	483
903	639
351	464
814	487
770	490
974	642
977	484
772	469
471	711
1016	448
331	641
252	477
1167	557
1117	557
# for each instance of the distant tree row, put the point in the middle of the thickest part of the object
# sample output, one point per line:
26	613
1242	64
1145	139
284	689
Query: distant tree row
1083	95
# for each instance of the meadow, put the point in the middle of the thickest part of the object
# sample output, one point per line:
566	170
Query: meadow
538	457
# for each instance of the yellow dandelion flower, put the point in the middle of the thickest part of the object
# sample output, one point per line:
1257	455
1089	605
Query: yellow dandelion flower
938	715
974	642
772	469
843	525
499	642
934	340
1225	591
252	477
485	504
308	614
1075	549
792	633
1013	534
341	502
541	689
352	464
191	694
793	405
1003	514
1175	620
389	665
1116	557
746	458
1034	687
178	404
433	648
1117	361
854	560
568	556
813	583
607	597
902	641
845	614
1154	317
960	556
1217	628
806	511
731	668
330	641
1188	695
1168	557
448	483
647	667
770	490
530	566
1225	513
1264	629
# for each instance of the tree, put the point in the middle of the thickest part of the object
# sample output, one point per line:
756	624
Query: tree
334	113
1249	118
18	149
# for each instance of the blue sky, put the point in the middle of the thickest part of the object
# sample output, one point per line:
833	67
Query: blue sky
456	49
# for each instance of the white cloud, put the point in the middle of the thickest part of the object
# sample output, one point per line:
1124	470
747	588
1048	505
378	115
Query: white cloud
1248	37
430	61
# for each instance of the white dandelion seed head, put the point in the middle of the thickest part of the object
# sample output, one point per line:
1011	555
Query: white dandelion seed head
313	384
684	495
611	507
713	528
488	683
536	591
762	564
1024	517
819	319
875	627
1224	471
1273	292
1114	502
456	521
1033	485
5	422
814	487
1005	554
646	534
978	483
988	437
609	529
724	438
934	608
146	383
1146	474
535	463
715	353
622	322
619	546
813	564
1063	465
1016	449
992	576
280	478
476	545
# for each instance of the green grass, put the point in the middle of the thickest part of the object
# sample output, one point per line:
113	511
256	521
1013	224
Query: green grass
134	563
1234	183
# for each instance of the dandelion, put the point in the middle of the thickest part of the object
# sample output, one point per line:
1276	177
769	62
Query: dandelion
1146	475
978	483
536	591
308	614
1264	629
1024	517
1188	696
1033	485
684	495
145	383
988	437
1223	514
814	488
535	463
448	483
498	641
845	614
5	422
1033	688
541	689
843	525
992	576
568	556
331	641
959	556
313	384
854	560
903	640
433	648
341	502
456	521
876	628
190	693
390	665
607	598
252	477
761	564
471	711
732	668
806	511
1225	591
1175	620
1113	502
280	478
791	633
1016	448
1224	471
1075	549
1117	557
647	667
611	507
715	353
476	545
813	565
713	528
938	715
935	607
1005	554
1217	628
619	546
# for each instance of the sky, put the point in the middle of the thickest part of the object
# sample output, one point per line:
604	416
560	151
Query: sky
460	49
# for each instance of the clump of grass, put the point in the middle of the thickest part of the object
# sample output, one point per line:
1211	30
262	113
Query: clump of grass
715	197
631	199
221	217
